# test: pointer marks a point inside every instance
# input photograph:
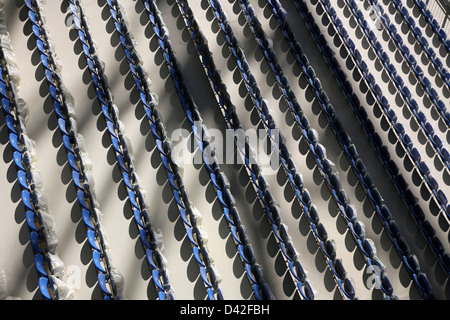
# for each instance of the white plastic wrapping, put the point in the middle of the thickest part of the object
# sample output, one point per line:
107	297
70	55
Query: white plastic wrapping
158	238
119	281
65	292
56	263
4	291
23	110
3	284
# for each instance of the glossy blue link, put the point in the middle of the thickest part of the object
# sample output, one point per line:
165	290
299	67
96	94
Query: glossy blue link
43	287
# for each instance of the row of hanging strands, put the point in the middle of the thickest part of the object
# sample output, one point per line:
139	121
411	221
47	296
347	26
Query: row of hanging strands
409	101
221	184
331	178
270	207
378	203
149	236
108	278
40	221
401	135
420	278
326	245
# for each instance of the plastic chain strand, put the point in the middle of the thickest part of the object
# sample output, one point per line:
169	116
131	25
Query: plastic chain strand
20	144
443	72
403	138
331	178
410	102
208	275
326	245
164	145
236	229
256	177
85	197
409	199
440	106
433	23
351	153
411	264
124	160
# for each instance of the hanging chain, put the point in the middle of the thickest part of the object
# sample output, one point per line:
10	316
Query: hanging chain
257	178
76	157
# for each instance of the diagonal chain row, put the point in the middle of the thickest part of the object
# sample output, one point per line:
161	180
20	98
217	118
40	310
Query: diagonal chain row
411	263
380	207
42	241
76	158
123	157
410	101
331	179
402	136
326	245
231	214
257	178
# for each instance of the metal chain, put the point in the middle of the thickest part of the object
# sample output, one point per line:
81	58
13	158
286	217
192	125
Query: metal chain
147	235
325	244
85	197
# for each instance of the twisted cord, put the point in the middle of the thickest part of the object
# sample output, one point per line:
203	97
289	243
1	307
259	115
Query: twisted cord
352	155
327	246
147	233
255	173
76	157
